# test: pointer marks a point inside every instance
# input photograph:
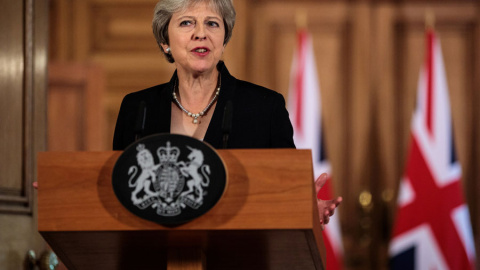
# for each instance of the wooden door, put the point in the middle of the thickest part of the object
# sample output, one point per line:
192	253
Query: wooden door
23	41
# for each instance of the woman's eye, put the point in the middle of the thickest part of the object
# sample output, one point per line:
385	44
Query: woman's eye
186	23
213	24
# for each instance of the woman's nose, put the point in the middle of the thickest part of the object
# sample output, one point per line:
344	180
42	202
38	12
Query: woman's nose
199	33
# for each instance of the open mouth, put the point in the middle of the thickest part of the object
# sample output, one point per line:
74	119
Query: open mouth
201	50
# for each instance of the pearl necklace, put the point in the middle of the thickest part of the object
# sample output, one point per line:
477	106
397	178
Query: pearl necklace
195	116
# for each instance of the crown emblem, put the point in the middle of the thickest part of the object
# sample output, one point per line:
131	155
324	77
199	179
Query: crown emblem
141	150
168	153
140	147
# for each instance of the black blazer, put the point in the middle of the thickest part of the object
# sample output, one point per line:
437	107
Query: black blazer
259	119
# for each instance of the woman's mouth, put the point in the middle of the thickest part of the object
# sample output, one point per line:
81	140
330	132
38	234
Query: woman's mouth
201	51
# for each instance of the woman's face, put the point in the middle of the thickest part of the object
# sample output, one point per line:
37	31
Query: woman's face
196	38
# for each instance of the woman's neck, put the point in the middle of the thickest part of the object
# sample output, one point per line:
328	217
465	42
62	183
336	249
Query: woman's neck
196	91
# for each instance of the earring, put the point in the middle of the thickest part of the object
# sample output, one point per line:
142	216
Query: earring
168	50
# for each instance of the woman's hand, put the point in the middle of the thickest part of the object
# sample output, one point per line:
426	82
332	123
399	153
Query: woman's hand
35	185
326	209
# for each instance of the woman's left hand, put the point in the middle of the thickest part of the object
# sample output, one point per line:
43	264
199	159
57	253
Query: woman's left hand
326	209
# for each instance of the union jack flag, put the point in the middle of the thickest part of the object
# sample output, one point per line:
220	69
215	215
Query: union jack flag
304	107
432	228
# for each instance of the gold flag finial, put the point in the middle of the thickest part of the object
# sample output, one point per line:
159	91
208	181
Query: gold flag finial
301	19
429	19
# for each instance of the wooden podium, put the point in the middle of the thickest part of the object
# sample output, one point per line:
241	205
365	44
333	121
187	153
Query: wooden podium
267	218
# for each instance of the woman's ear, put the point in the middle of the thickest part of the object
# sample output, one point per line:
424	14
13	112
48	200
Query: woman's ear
165	48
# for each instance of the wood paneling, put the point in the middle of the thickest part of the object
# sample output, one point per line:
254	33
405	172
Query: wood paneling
76	116
22	102
12	101
23	58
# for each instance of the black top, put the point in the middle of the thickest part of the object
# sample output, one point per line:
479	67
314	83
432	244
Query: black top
259	119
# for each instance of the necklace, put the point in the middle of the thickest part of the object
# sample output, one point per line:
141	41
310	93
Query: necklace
195	116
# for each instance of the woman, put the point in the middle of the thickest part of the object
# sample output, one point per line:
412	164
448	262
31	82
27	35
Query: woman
193	34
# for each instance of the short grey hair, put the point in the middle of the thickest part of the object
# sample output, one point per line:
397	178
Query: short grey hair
165	8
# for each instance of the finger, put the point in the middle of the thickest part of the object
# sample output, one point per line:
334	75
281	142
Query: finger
321	180
35	184
326	220
326	214
338	200
332	212
334	206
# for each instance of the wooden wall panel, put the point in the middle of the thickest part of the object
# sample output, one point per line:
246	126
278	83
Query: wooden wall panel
22	74
12	101
120	27
238	53
75	109
23	58
117	35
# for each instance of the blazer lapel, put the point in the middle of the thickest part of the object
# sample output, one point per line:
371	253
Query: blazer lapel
214	134
161	109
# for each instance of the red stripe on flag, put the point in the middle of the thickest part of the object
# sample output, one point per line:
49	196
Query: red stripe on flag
299	81
430	72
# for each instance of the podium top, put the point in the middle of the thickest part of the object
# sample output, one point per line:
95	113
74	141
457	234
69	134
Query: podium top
266	189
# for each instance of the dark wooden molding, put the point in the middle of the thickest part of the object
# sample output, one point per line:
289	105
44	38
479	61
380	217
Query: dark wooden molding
19	200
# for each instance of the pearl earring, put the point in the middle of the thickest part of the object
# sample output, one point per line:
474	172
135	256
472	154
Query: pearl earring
168	50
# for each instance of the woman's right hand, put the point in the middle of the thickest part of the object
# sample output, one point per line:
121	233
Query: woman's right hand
326	208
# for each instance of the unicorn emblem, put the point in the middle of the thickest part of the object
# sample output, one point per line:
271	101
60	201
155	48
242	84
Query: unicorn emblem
199	173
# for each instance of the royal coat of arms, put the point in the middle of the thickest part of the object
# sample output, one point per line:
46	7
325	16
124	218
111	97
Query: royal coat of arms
170	185
169	178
